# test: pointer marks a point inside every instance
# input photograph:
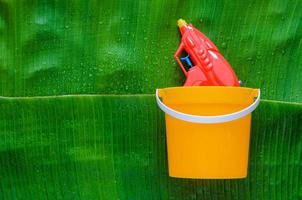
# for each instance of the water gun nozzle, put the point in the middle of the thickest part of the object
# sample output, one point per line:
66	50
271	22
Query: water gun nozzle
181	23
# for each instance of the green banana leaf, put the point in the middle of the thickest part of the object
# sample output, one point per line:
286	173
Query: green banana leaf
51	47
113	147
61	139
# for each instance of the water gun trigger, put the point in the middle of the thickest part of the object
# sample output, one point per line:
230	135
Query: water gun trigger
187	60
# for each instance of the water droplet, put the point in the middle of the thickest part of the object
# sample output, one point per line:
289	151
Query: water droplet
223	45
41	20
67	27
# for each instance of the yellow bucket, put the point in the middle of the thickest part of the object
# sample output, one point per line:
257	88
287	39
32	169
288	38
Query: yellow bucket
208	130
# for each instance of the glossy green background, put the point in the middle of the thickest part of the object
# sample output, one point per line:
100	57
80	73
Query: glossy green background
53	47
113	146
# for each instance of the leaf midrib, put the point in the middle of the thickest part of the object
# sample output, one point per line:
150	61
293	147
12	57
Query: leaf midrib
121	95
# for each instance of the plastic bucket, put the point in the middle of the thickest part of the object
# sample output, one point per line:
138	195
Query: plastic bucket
208	130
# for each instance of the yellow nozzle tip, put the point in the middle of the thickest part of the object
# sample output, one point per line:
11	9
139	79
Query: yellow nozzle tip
181	22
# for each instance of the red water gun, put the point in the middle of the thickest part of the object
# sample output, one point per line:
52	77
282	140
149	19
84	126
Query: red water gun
204	65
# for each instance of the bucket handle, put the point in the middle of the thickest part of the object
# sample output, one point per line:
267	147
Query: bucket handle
207	119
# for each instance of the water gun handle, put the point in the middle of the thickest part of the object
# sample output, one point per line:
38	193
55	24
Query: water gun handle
176	56
195	76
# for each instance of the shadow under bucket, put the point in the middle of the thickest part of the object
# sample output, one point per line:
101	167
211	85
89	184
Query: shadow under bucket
208	130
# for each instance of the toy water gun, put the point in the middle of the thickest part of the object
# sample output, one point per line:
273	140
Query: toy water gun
204	65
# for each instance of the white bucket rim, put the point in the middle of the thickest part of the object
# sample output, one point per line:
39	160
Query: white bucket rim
207	119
